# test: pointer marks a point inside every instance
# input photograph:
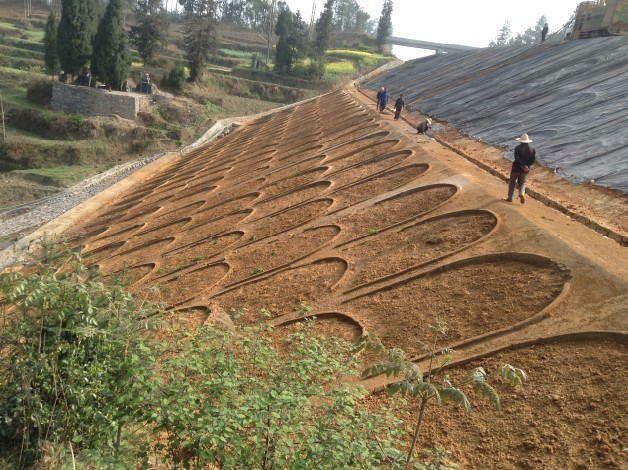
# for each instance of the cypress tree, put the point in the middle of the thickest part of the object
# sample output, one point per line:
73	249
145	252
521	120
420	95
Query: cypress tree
151	31
51	56
75	34
199	39
285	44
323	29
94	12
293	41
112	59
384	27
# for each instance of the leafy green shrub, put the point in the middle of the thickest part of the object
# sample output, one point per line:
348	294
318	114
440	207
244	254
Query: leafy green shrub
316	68
229	398
4	151
176	78
75	121
71	351
170	112
304	70
78	383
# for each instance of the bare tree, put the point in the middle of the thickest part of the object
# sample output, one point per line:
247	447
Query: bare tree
4	136
28	8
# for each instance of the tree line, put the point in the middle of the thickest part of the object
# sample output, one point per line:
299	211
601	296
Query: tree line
294	44
529	36
91	34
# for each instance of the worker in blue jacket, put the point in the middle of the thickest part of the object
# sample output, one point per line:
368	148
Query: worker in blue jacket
377	98
383	100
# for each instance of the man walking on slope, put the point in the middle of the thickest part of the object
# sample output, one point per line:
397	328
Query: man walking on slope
378	97
399	104
525	156
383	100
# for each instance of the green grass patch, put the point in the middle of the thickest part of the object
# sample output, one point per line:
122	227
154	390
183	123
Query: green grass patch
34	35
353	55
218	68
17	97
12	30
239	106
16	51
28	65
8	26
236	54
9	72
24	44
341	68
26	137
62	176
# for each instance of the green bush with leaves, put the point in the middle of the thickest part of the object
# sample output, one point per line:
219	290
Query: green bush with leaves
229	397
70	351
177	77
79	385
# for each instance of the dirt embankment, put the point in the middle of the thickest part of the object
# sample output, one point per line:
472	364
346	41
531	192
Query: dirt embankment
331	206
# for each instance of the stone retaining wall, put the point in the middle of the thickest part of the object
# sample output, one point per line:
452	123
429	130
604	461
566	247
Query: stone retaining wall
95	101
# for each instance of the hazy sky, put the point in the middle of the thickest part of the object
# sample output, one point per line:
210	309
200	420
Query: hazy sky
467	22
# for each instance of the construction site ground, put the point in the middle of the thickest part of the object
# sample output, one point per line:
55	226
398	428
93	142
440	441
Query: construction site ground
333	206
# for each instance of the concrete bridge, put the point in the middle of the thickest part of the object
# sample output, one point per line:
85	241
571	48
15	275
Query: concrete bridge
434	46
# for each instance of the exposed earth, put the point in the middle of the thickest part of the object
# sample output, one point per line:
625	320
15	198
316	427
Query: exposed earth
331	206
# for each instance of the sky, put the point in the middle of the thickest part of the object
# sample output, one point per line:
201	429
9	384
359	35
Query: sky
466	22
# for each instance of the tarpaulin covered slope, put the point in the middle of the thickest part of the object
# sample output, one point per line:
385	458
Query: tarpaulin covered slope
571	98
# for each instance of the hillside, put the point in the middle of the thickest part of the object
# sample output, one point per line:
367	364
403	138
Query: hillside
331	205
46	152
329	209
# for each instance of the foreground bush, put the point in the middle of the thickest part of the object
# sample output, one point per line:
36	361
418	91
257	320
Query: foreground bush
70	349
231	398
80	388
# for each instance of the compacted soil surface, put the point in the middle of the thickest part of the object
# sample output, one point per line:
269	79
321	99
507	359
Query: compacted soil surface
331	209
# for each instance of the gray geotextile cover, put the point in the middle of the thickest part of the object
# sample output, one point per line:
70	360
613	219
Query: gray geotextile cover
570	97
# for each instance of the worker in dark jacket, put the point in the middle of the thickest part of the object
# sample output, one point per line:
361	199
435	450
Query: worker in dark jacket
424	126
525	156
544	32
399	104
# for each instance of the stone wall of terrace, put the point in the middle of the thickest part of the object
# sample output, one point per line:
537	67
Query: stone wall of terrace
95	101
